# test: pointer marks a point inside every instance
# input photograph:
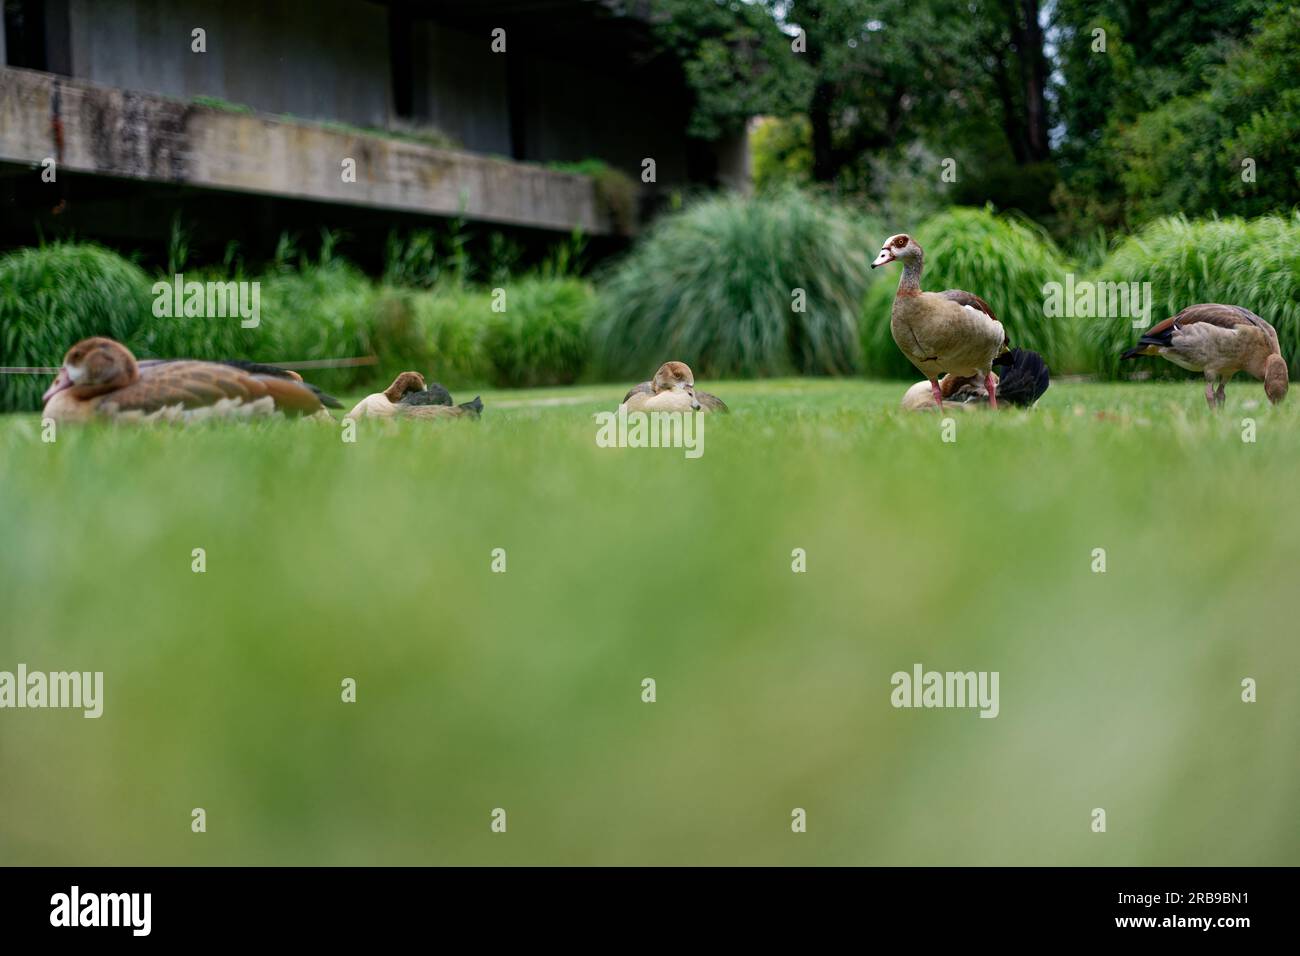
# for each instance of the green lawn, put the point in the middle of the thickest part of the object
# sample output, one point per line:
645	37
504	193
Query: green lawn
522	690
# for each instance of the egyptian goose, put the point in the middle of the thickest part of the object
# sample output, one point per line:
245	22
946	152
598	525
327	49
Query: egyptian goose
951	332
1022	378
672	390
1220	341
101	378
408	397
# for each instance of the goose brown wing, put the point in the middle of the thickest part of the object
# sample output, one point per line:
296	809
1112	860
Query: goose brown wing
1224	316
196	384
972	301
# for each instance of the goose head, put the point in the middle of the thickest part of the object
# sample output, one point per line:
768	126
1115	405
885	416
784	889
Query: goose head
404	384
93	367
901	246
1276	380
676	376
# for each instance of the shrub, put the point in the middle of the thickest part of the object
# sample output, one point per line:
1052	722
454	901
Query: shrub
198	337
54	295
714	286
326	311
1003	260
543	336
1254	263
451	321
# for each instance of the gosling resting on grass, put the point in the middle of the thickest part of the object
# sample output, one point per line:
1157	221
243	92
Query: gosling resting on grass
409	397
1220	341
671	390
1022	378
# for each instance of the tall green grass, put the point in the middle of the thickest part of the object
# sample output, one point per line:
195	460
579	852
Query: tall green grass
310	309
542	336
717	286
53	296
1006	261
1254	263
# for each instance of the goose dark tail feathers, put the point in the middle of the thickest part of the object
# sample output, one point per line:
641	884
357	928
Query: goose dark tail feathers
1023	377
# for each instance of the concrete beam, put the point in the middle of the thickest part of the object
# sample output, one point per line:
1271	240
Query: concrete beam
120	133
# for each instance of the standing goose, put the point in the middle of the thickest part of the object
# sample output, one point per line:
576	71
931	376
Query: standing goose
951	332
101	378
672	390
1220	341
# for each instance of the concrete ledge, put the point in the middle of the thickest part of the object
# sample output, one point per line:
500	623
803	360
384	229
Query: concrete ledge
121	133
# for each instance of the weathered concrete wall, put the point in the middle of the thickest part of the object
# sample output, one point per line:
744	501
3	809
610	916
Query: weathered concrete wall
319	59
461	87
574	114
144	136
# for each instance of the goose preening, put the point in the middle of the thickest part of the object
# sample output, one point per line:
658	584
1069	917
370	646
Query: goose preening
1022	378
1220	341
672	390
409	397
952	332
101	378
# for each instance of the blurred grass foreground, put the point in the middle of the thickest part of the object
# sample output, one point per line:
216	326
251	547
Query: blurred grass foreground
523	691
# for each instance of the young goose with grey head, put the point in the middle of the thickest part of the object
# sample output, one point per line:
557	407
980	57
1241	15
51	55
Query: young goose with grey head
672	390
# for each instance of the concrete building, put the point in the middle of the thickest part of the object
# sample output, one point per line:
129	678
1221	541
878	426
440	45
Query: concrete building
245	117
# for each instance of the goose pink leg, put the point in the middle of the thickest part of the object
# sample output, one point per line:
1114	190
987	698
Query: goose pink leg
938	393
991	386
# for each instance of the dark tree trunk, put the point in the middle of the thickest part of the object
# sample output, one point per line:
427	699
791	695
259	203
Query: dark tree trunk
825	161
1012	119
1028	36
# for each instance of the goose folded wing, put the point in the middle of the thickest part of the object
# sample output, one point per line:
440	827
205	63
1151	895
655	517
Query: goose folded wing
196	384
433	394
252	368
258	370
971	301
645	388
1224	316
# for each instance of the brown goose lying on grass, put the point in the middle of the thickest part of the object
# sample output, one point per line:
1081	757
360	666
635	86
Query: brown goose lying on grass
100	378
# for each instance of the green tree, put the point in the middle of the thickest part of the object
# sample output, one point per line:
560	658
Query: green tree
871	76
1134	99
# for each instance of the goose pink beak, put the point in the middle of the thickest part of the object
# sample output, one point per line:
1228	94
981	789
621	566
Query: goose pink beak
886	255
61	381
